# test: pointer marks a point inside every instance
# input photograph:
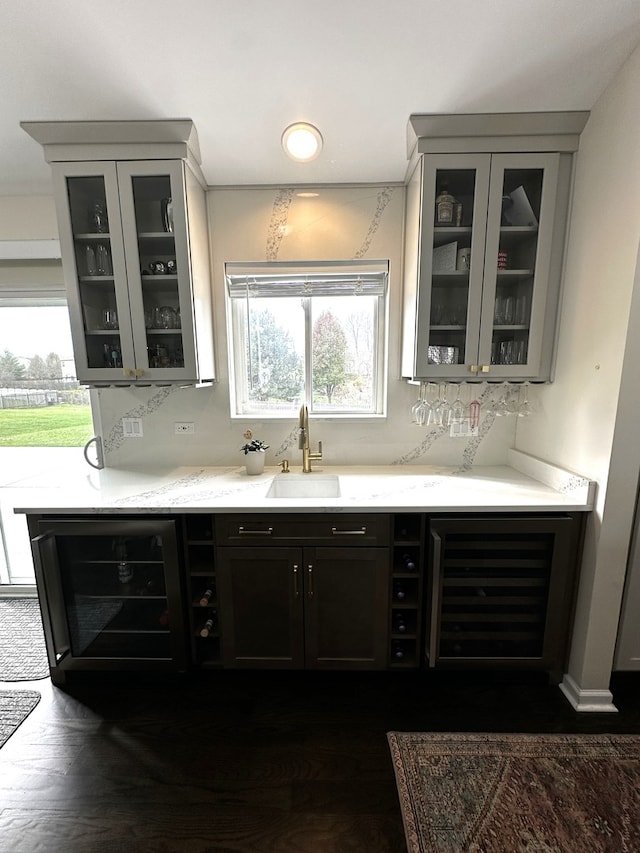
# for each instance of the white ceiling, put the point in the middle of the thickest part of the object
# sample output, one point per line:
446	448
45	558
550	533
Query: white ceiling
245	69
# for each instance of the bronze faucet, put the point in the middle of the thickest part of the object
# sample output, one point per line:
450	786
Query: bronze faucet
303	441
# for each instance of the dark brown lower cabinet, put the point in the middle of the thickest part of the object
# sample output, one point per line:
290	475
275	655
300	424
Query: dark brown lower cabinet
303	607
501	590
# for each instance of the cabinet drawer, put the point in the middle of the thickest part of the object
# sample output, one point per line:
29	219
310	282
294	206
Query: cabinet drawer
372	529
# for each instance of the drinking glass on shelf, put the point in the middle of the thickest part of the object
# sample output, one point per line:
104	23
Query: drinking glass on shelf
509	310
522	310
109	318
90	256
103	261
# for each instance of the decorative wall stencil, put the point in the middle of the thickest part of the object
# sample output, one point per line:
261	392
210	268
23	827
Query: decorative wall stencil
485	424
290	441
423	447
116	436
471	448
384	196
277	223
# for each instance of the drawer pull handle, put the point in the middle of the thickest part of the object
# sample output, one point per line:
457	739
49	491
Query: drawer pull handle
310	577
243	531
296	591
336	532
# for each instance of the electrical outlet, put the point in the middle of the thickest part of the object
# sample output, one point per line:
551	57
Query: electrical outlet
132	427
463	429
184	428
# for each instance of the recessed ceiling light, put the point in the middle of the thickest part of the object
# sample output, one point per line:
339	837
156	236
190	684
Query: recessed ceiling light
302	142
307	194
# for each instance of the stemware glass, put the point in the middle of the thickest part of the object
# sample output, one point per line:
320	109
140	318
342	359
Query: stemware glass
418	403
524	407
508	402
439	410
457	409
491	404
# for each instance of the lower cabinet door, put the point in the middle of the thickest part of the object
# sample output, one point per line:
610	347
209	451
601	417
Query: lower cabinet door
260	598
346	607
320	608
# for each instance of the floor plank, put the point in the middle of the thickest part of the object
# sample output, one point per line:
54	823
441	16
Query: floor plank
249	762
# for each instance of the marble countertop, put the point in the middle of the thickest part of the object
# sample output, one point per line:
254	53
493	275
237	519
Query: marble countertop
526	484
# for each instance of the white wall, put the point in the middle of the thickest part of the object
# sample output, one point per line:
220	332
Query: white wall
28	218
275	224
584	422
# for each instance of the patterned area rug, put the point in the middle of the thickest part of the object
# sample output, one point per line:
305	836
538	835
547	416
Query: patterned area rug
23	655
491	793
15	707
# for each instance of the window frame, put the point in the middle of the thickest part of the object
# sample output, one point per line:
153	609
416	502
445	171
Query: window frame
318	272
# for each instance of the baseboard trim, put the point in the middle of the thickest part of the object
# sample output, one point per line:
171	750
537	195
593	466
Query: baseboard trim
598	701
18	591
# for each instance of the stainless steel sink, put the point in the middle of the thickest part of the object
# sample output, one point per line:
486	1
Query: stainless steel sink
294	486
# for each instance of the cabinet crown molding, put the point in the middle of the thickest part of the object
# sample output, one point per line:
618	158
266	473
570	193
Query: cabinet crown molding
433	132
166	137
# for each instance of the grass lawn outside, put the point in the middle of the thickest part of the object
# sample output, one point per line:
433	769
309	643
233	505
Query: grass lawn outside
48	426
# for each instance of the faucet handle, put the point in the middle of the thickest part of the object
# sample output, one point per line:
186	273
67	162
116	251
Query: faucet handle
285	466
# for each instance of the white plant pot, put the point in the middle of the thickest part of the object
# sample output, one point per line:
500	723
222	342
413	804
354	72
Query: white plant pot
254	461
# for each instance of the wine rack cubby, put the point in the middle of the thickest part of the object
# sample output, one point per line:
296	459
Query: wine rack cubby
202	590
405	612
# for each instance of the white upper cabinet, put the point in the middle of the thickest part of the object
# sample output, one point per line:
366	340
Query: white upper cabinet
483	257
135	252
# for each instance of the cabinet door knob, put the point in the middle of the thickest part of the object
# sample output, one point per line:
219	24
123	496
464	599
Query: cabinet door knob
473	368
485	368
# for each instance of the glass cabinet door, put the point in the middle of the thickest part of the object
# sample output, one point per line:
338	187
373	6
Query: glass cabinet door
455	191
125	244
519	235
95	271
112	591
153	207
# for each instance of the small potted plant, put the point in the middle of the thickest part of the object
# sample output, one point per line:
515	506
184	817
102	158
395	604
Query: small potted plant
254	451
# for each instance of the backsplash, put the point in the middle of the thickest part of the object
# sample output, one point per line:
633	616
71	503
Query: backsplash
275	224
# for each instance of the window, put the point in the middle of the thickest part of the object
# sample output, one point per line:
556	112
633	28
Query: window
311	334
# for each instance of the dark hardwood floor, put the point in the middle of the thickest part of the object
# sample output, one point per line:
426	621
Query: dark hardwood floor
249	761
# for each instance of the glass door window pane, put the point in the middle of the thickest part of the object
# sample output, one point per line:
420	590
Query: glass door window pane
92	246
115	596
516	265
157	255
451	269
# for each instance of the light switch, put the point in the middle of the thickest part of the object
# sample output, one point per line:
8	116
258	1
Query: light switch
132	427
